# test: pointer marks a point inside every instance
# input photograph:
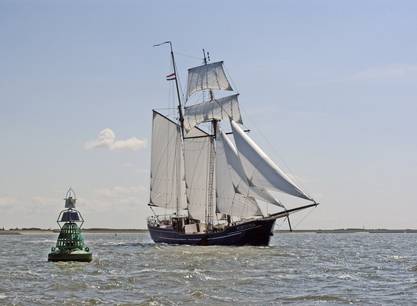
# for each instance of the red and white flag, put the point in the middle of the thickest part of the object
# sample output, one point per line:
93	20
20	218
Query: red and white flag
171	77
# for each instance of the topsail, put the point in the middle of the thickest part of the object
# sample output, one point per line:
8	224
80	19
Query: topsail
209	76
218	109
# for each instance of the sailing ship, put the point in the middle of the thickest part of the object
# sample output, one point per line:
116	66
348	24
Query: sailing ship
212	184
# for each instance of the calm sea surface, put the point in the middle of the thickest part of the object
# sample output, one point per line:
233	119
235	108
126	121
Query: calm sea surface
302	269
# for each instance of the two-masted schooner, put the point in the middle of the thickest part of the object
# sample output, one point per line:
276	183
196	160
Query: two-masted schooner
212	184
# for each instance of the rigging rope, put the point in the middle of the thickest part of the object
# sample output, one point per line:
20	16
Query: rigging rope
305	216
187	55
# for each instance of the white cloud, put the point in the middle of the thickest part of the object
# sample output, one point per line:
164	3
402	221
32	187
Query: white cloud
387	72
107	139
45	201
7	200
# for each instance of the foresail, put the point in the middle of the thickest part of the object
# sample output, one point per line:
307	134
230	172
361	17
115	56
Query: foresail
239	178
196	155
229	200
219	109
166	164
210	76
259	168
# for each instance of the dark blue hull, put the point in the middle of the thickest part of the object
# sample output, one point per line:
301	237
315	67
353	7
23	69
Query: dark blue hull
255	232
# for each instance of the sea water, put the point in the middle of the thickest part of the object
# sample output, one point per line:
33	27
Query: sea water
297	268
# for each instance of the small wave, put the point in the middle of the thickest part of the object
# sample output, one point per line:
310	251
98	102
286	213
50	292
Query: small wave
414	269
318	298
156	302
42	241
346	276
198	294
2	296
125	244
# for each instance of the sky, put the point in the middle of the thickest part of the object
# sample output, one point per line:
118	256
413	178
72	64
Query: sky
328	89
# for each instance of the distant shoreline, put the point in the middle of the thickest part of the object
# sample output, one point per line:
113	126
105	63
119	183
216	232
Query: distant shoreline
34	231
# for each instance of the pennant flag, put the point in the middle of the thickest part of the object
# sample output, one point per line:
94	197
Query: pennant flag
171	77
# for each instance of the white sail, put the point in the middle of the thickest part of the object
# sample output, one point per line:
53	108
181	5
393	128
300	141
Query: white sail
196	155
210	76
166	164
229	199
239	178
259	168
219	109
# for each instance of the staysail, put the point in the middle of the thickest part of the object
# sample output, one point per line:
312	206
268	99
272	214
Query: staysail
260	169
239	178
229	199
197	147
209	76
166	164
218	109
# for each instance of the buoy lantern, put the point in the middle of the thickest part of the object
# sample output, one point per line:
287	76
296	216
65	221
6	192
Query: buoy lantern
70	244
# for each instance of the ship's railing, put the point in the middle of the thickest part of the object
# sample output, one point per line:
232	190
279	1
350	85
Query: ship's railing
159	220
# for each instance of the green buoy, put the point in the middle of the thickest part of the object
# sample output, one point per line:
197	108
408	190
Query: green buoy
70	244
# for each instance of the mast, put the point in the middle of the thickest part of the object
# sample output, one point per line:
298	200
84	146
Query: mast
212	158
178	91
181	120
181	116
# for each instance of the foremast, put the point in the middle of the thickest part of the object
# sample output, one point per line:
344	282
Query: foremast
181	122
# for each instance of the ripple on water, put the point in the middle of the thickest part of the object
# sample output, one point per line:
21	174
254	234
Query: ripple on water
296	269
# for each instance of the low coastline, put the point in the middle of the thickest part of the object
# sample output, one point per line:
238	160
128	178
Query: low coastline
37	231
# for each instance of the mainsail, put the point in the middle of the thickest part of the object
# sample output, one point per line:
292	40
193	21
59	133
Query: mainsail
208	76
229	199
197	148
166	164
218	109
260	169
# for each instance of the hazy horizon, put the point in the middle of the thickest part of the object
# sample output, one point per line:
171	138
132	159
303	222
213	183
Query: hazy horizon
327	88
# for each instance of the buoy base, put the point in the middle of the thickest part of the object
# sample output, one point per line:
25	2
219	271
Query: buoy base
76	255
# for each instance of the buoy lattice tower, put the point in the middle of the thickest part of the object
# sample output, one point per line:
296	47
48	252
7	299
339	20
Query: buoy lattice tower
70	243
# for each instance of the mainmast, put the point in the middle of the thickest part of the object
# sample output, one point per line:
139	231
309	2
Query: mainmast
212	157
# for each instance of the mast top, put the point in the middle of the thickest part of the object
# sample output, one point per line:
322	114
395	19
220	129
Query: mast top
175	77
206	57
163	43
